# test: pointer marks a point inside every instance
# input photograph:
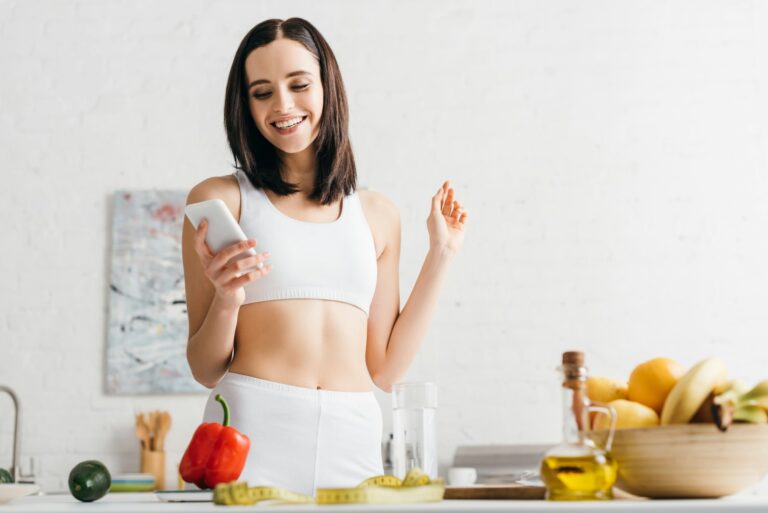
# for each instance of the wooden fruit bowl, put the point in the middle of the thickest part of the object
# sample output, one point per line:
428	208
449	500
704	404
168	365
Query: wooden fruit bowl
690	460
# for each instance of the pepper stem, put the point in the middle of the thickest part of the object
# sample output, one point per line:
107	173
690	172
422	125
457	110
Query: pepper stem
226	409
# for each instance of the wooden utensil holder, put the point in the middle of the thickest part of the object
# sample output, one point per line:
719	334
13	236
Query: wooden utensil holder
153	462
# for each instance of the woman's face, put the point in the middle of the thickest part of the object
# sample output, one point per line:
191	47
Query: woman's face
285	94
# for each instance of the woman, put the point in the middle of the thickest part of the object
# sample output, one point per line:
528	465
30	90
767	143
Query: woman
296	349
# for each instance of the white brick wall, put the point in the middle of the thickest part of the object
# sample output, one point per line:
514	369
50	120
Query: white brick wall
612	155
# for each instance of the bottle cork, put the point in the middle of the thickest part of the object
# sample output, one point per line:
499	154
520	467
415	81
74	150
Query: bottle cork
573	358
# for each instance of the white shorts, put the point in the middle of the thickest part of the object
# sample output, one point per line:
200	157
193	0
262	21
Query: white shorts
302	439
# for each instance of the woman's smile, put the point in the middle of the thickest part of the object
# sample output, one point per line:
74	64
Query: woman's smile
289	126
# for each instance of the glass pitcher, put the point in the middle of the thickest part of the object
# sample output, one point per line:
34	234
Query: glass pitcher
414	440
581	466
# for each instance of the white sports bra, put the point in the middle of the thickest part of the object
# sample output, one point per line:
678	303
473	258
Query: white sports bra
335	261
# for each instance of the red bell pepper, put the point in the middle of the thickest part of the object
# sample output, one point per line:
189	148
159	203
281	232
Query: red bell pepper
216	454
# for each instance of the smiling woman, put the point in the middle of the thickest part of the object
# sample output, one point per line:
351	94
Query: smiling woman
290	106
289	77
297	350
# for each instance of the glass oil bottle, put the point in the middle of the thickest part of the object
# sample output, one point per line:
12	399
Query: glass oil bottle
579	468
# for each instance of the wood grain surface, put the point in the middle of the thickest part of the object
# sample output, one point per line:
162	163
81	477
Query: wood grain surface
495	492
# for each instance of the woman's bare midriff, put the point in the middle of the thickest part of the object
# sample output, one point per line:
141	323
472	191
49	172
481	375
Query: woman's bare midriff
309	343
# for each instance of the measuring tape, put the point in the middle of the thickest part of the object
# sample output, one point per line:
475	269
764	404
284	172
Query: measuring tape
416	487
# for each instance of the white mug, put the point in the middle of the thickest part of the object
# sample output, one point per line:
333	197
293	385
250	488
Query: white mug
462	476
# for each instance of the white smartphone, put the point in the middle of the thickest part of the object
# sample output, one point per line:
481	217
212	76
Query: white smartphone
223	230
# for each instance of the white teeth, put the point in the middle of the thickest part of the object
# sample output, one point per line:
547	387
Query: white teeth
289	123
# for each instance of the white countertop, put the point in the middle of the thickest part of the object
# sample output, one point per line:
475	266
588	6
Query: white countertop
148	503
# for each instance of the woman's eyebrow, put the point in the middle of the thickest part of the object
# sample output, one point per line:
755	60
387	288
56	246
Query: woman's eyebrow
289	75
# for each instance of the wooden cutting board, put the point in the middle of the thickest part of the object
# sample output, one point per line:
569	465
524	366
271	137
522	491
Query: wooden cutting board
495	492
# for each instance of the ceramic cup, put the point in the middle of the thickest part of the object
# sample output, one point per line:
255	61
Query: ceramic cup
462	476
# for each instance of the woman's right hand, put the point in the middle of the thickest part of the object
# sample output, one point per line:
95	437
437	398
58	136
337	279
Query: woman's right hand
223	272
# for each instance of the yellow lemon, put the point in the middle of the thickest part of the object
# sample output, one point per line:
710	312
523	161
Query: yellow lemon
605	390
629	414
651	382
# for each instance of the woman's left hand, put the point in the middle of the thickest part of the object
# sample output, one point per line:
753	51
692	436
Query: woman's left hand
446	220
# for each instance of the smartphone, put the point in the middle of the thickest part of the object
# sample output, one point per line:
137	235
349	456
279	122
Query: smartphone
223	230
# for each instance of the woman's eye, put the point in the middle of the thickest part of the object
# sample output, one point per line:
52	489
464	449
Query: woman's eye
261	96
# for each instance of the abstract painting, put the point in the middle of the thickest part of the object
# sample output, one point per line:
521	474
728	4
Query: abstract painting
146	344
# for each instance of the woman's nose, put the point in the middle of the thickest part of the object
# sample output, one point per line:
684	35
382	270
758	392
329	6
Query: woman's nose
283	102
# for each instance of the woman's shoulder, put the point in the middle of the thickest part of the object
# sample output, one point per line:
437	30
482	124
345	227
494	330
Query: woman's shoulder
213	187
223	187
382	214
383	217
378	203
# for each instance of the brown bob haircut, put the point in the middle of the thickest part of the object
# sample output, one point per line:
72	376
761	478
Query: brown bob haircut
257	157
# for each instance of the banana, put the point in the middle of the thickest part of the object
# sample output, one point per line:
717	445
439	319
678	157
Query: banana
692	389
751	414
735	386
758	395
709	411
743	406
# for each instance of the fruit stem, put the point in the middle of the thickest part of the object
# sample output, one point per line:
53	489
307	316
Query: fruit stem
226	409
723	415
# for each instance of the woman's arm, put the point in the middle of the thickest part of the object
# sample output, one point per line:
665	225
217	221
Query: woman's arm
214	292
395	339
411	326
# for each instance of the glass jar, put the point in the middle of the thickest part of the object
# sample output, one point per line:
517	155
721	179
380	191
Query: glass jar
414	440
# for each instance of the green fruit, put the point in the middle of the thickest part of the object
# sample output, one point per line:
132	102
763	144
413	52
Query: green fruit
5	476
89	481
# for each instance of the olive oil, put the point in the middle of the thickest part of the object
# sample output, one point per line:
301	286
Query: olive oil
588	477
579	468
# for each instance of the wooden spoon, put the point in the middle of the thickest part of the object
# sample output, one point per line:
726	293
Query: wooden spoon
141	430
147	431
164	425
157	430
153	427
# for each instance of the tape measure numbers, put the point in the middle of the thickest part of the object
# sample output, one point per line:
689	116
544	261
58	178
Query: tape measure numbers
416	487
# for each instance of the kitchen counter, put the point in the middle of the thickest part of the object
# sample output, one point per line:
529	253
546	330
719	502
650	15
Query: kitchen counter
148	503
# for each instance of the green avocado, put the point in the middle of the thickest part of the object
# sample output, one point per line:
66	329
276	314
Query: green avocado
5	476
89	481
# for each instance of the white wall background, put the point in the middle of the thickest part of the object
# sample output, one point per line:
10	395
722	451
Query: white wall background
612	155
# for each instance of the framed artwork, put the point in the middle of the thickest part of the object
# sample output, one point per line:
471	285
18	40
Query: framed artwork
147	338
